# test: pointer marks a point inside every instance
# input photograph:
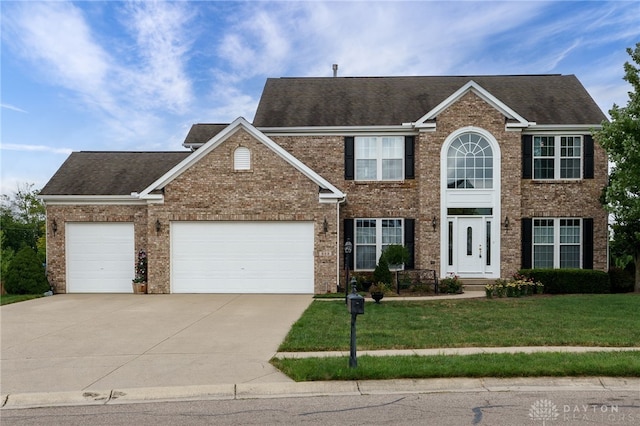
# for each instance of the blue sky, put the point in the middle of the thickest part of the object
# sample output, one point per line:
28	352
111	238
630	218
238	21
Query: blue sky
115	75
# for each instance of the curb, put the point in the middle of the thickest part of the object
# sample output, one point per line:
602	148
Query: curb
310	389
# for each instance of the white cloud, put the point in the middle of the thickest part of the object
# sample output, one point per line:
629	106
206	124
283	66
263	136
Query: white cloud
13	108
160	32
57	39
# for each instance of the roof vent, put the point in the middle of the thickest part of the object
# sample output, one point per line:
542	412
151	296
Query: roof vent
335	70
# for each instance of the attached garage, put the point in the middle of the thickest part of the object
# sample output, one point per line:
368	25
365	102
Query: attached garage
242	257
100	257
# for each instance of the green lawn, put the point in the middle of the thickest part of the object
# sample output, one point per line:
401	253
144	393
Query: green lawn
6	299
611	364
571	320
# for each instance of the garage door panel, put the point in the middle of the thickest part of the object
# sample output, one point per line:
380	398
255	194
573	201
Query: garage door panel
242	257
100	257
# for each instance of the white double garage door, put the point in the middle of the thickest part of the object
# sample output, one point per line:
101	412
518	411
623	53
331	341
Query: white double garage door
206	257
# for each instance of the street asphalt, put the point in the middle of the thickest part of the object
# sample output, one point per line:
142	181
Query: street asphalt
79	349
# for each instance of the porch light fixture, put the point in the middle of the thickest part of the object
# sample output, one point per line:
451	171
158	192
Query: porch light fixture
325	226
348	248
158	226
54	227
434	223
506	223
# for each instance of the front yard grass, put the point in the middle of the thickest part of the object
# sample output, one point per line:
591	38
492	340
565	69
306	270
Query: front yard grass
544	364
6	299
571	320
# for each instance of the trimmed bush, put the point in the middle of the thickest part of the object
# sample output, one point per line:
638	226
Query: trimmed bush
570	281
25	274
622	280
382	274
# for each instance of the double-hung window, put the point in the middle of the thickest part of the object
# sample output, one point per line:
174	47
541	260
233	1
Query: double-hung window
379	158
372	237
557	243
557	157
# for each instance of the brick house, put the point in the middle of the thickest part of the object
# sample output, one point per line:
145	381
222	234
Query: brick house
478	176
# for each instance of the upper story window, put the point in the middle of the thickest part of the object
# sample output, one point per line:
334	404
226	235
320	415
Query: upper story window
557	157
242	158
470	162
379	158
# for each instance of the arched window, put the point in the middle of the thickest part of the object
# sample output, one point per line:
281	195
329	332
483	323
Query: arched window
242	158
470	162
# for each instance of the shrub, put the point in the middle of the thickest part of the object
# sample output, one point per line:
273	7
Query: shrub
622	280
382	274
25	274
451	284
569	281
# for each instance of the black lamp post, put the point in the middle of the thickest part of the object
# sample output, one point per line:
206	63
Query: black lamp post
348	249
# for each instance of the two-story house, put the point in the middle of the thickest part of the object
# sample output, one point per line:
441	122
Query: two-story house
478	176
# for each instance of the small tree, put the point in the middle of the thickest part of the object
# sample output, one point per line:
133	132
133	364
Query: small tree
621	140
382	274
396	255
25	274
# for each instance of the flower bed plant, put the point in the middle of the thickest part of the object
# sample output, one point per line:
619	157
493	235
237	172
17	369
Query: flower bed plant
517	286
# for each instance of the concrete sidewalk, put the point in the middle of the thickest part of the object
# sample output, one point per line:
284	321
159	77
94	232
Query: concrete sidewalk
309	389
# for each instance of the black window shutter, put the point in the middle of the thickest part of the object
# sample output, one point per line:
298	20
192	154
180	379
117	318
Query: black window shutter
348	235
409	158
587	243
588	157
409	242
349	157
527	157
527	243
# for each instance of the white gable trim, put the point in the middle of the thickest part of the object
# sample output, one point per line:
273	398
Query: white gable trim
333	195
427	120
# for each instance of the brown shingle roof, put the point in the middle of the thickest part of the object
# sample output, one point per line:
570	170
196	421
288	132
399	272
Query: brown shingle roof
368	101
200	134
110	173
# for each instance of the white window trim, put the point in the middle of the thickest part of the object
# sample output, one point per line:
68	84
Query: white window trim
556	240
378	238
557	159
379	159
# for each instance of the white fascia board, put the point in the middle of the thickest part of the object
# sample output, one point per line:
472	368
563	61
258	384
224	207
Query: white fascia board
406	128
92	200
482	93
549	128
238	123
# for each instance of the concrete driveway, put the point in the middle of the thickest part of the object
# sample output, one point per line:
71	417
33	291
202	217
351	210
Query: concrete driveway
105	341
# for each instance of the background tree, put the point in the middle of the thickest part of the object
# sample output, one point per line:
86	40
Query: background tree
25	274
22	224
621	140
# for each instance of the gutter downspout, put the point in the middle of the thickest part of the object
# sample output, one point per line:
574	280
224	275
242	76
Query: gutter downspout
338	252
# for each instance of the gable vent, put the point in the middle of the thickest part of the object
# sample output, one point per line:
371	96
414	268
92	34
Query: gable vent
242	158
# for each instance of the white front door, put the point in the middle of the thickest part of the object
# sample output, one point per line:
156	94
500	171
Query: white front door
470	250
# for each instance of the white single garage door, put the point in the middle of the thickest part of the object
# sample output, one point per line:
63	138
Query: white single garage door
100	257
242	257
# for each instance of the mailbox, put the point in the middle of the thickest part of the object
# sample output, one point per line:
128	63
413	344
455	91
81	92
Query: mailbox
355	303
